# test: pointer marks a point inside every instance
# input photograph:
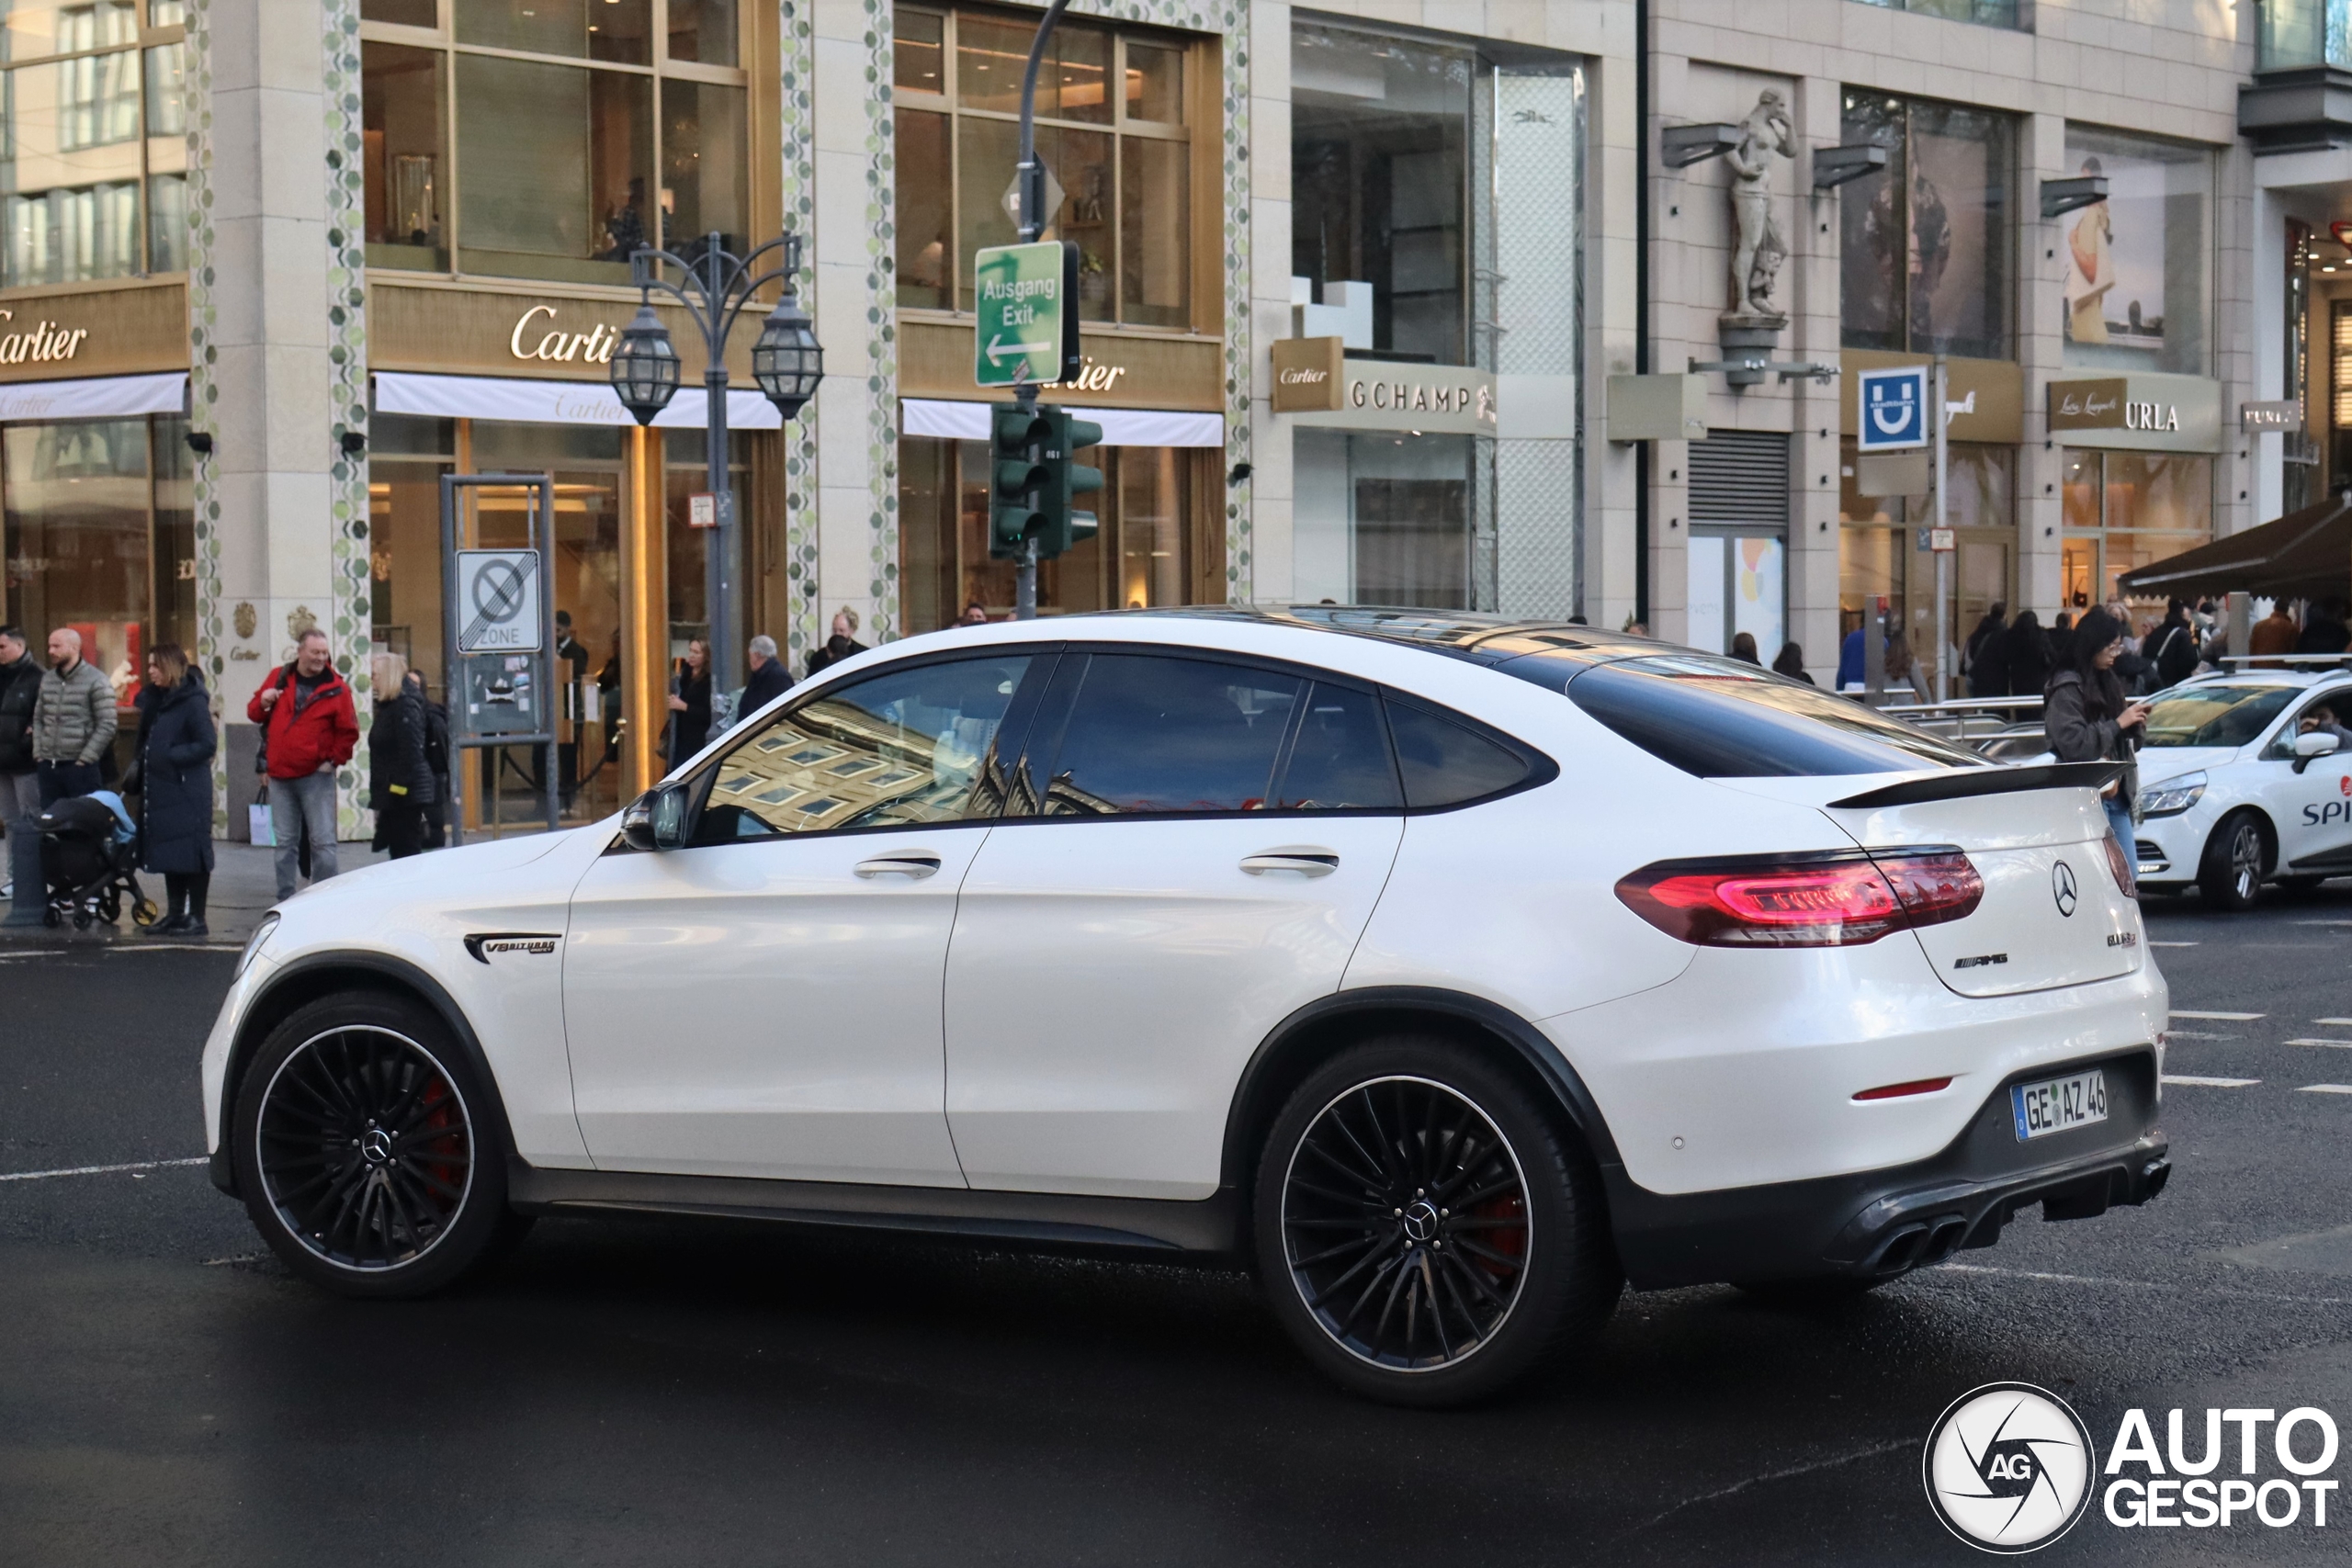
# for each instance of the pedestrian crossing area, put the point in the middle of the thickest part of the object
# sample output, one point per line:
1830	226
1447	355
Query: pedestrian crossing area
2191	1038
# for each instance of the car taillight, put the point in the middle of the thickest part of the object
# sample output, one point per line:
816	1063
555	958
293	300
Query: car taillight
2120	864
1830	900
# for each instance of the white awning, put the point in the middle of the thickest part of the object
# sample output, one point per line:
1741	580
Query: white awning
555	402
99	397
1121	427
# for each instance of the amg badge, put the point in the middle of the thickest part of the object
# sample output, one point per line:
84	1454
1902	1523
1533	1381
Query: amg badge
481	944
1980	961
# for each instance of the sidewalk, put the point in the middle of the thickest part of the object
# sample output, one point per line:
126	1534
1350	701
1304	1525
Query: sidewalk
244	885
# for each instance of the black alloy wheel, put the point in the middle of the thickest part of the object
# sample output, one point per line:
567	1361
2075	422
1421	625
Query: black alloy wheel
367	1151
369	1157
1404	1221
1428	1227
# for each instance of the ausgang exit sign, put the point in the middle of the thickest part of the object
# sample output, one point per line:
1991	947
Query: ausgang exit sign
1028	314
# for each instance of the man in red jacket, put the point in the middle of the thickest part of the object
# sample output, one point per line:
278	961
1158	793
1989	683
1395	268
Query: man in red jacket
309	728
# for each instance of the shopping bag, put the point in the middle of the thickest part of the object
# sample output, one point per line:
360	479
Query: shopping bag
259	826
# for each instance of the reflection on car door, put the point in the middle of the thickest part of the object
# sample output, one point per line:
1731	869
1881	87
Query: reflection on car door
766	1001
1211	838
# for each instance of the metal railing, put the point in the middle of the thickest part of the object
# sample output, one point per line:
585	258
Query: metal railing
2302	33
1967	719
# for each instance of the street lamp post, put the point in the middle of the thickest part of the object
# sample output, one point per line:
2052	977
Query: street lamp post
787	362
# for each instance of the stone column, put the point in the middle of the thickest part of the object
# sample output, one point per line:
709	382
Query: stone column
277	345
2041	278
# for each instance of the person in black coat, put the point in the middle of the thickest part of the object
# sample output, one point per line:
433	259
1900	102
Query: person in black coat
436	760
401	784
1980	659
838	646
768	678
690	704
2024	654
174	759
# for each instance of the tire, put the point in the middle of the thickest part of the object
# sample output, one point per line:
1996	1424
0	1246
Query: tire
1368	1151
2235	858
386	1175
145	913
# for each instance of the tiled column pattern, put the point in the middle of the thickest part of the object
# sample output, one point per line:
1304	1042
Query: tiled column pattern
798	45
277	345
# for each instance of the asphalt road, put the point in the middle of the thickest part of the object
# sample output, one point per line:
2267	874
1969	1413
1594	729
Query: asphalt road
653	1393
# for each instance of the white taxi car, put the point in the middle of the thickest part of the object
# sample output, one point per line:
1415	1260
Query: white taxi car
2243	780
1455	970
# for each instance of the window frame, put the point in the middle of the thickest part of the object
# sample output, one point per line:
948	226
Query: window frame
1053	721
442	41
948	102
146	37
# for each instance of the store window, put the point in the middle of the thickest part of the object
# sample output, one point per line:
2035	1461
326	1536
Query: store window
553	139
1390	519
2126	510
93	141
1123	159
1147	552
2138	278
1381	135
1883	548
98	533
1926	258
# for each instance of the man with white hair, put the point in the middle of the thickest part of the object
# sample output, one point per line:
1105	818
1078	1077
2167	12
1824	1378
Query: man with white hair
73	720
768	679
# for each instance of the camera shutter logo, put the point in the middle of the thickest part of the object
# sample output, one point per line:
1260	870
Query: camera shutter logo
2008	1468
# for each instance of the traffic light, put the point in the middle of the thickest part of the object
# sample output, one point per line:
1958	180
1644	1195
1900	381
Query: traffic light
1019	438
1065	526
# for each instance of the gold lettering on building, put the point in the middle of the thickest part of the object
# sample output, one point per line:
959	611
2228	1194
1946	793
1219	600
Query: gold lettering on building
594	346
45	344
1092	377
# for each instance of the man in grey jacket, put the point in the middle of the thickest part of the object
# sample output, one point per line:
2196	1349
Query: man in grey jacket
73	720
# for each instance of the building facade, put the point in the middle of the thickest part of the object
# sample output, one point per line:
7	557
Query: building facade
1382	303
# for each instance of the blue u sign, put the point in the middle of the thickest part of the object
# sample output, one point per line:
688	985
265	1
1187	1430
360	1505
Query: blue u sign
1894	407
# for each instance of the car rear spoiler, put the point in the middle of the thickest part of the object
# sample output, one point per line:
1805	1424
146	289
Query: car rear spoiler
1959	784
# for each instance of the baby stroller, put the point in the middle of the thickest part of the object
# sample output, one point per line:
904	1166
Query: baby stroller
89	850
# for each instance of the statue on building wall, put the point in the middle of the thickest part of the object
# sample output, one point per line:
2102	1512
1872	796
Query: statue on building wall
1759	250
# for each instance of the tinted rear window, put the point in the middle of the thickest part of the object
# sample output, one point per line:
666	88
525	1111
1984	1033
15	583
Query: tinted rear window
1445	763
1722	720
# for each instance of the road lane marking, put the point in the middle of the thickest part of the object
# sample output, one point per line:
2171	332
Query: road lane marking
2325	1088
2192	1034
2220	1017
2333	1022
2339	1045
2126	1284
101	1170
2212	1083
2172	944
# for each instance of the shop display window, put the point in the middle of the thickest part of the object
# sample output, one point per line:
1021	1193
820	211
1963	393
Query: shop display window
1926	258
2126	510
552	140
93	141
1123	159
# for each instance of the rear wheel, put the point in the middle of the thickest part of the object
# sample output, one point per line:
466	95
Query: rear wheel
368	1154
1424	1230
2231	878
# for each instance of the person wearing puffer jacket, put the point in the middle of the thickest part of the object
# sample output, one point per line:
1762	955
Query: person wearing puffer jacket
73	720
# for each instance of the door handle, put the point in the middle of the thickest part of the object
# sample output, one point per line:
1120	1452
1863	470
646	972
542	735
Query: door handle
1302	861
912	864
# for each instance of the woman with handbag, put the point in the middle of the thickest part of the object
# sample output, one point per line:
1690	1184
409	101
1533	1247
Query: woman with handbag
401	785
174	763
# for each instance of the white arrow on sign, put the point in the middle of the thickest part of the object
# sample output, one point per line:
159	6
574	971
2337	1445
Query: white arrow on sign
999	349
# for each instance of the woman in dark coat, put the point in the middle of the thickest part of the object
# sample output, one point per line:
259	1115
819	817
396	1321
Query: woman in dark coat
176	740
2024	655
401	785
690	704
2089	717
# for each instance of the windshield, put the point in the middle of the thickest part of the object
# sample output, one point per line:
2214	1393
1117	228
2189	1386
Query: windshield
1721	718
2216	715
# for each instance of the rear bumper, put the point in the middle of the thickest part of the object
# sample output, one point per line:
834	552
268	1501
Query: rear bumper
1880	1223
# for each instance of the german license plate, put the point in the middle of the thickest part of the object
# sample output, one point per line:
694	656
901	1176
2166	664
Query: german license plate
2058	1105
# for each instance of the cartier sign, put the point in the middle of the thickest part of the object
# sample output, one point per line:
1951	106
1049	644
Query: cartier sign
1307	374
1336	391
538	336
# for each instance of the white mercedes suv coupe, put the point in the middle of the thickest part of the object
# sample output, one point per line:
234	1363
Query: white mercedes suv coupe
1455	971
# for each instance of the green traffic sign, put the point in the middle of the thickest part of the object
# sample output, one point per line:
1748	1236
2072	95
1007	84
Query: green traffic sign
1027	318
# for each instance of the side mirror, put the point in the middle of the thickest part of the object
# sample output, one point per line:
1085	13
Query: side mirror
2318	743
657	819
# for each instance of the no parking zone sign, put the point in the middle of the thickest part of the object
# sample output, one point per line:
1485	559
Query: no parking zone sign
498	600
1893	405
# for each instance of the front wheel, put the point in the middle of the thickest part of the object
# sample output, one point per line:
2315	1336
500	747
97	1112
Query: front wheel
1425	1231
368	1154
2231	878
